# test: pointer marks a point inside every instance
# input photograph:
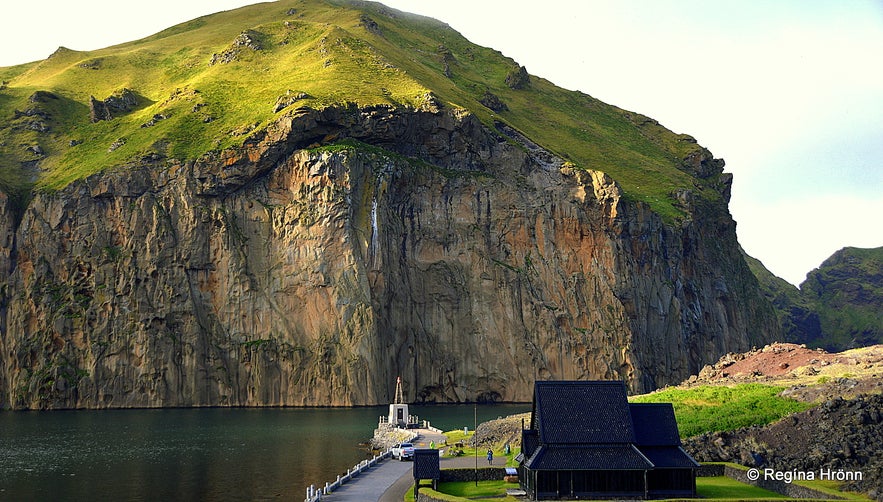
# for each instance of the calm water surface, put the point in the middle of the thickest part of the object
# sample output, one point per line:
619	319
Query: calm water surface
193	454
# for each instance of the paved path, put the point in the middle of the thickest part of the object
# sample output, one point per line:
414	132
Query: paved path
425	437
396	491
373	484
389	480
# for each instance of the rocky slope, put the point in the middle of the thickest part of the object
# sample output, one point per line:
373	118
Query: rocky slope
812	375
341	245
840	435
844	432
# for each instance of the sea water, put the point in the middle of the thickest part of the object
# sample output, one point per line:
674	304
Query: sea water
194	454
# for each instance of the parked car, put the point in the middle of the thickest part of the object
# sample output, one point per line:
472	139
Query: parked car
403	451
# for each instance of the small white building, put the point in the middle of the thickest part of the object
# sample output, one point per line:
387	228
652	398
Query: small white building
398	410
398	415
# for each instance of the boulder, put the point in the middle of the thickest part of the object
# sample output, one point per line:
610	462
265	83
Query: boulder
493	102
518	78
119	102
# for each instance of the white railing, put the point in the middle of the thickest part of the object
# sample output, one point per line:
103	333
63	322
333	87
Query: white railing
429	427
412	420
315	494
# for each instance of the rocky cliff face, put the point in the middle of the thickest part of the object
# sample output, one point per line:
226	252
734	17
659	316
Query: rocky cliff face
287	273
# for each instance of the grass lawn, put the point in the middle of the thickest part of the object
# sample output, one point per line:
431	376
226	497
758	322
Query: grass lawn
722	487
716	487
469	490
457	436
485	490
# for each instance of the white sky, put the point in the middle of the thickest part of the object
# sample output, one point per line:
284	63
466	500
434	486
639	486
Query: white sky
788	92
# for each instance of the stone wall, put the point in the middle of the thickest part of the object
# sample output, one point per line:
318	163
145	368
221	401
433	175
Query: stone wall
467	474
431	496
710	470
426	494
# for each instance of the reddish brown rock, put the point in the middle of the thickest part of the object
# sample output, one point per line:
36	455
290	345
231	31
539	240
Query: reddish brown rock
274	275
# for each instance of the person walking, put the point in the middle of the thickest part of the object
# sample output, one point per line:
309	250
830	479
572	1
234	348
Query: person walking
490	456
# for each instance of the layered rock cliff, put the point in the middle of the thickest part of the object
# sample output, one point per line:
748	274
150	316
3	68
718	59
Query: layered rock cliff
345	246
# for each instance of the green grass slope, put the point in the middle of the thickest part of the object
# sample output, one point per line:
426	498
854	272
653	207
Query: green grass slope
847	291
202	86
838	305
711	408
797	315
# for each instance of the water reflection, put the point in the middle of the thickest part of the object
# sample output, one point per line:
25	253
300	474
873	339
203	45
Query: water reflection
194	454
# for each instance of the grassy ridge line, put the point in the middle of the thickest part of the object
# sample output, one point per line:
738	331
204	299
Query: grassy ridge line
238	96
330	51
592	134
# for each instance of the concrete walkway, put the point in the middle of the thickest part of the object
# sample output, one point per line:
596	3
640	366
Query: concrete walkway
389	480
371	484
426	436
396	491
376	484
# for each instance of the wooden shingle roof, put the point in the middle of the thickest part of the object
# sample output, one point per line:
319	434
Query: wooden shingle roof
587	458
655	424
656	435
590	426
668	457
582	412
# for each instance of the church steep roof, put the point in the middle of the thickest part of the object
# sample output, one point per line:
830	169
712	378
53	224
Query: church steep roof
584	457
668	457
654	424
582	412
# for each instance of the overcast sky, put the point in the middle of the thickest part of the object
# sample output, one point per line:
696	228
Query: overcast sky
788	92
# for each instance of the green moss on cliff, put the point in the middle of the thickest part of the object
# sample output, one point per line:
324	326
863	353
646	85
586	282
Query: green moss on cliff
210	83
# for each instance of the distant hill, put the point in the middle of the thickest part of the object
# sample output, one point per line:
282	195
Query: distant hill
838	306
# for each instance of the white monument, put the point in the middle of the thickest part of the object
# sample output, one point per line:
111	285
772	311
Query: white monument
398	410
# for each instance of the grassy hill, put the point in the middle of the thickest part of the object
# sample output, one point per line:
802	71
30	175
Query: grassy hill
797	314
847	290
210	83
838	305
